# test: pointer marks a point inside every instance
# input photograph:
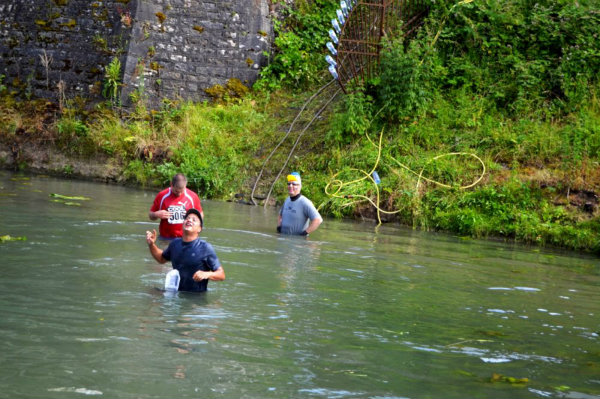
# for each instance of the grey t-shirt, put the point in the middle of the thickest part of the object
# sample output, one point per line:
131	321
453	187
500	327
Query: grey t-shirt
295	215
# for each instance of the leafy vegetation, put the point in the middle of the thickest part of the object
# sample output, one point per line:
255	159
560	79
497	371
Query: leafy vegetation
300	36
113	81
8	238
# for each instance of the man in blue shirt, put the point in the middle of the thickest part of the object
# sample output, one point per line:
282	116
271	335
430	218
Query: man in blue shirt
194	258
298	215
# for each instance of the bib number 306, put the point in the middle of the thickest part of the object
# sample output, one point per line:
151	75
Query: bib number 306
177	214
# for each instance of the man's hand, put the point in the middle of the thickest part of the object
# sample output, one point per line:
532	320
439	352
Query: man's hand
151	237
163	214
154	249
217	275
200	275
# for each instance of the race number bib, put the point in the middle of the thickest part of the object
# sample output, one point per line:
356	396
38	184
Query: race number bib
177	214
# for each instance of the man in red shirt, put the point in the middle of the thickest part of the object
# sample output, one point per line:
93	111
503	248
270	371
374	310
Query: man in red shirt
170	206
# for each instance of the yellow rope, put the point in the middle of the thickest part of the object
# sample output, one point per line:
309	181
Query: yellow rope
338	184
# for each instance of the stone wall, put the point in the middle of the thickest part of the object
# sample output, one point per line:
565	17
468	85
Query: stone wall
181	47
45	41
172	49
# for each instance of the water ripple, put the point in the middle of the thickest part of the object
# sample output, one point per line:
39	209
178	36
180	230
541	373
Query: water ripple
84	391
331	393
527	289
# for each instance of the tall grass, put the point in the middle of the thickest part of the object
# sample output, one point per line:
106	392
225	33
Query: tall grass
215	146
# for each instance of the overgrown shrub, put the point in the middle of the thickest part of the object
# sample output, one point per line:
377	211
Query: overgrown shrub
406	83
299	45
214	145
523	54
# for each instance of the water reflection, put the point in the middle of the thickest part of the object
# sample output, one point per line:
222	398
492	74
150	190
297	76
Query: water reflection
298	255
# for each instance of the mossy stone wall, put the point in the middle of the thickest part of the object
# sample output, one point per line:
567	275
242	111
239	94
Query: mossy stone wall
171	49
43	42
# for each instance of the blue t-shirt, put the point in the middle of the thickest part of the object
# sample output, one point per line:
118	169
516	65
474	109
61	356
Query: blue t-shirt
188	258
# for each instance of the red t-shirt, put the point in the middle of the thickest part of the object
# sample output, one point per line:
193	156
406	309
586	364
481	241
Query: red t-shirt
173	227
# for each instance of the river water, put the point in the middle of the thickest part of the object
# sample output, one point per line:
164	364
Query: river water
350	312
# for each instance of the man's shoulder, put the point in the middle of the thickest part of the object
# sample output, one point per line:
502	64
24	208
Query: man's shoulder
301	202
309	208
204	245
192	194
163	192
175	242
190	191
305	201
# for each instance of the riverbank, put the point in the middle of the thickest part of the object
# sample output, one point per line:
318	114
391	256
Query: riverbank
528	193
49	160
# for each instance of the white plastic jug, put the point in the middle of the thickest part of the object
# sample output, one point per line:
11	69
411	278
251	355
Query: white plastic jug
332	49
172	280
333	72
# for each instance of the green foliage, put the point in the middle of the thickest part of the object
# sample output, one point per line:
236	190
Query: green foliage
101	43
484	210
216	146
72	128
139	97
522	54
514	210
74	136
112	81
29	86
169	112
2	87
68	171
406	82
139	171
8	238
292	66
299	45
353	119
67	197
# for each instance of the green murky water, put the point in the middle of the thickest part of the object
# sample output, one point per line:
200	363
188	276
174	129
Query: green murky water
348	313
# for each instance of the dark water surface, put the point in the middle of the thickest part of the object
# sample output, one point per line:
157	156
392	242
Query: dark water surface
348	313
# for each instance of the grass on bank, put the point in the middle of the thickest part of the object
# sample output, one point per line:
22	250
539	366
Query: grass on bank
540	186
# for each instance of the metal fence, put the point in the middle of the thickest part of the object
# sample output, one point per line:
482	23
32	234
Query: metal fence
361	29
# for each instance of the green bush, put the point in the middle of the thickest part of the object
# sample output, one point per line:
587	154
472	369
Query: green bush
140	172
352	119
2	86
112	82
299	45
406	84
523	54
216	144
74	136
484	210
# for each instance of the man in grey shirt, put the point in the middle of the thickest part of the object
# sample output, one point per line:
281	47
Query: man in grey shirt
298	215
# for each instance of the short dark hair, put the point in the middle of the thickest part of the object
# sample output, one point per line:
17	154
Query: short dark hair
179	177
197	213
